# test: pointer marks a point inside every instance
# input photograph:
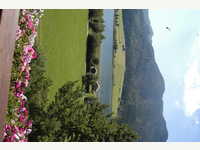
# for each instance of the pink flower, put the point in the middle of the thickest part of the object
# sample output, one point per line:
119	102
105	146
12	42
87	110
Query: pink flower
23	68
18	33
21	118
16	129
33	29
22	109
25	63
28	48
19	94
7	127
4	134
13	133
16	136
26	83
27	17
23	140
7	139
30	25
18	84
29	124
27	77
34	55
27	74
26	113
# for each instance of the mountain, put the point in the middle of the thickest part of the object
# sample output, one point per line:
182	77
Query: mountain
141	106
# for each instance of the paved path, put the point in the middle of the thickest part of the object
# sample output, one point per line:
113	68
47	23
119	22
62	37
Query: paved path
8	24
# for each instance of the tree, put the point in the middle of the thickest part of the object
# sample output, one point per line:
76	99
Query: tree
95	13
97	27
95	60
71	118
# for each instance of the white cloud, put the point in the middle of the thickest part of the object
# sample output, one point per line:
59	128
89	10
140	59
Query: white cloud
178	104
197	122
192	81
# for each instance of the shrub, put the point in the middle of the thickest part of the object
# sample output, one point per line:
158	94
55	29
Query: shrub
95	61
71	118
94	13
97	27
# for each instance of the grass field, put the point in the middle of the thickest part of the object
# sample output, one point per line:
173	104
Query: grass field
118	63
62	39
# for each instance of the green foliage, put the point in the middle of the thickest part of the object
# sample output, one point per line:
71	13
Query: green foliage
97	26
94	40
71	117
38	90
37	93
95	36
89	80
95	61
13	102
95	13
93	46
12	105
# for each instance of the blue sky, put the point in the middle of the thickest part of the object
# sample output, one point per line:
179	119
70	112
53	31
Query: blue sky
177	54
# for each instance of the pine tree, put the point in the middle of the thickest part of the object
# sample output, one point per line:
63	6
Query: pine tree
71	118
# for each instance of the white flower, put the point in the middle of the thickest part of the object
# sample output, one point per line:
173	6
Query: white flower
28	131
37	21
23	12
16	136
13	121
24	97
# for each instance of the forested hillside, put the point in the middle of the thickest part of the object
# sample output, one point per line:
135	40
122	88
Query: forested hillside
142	105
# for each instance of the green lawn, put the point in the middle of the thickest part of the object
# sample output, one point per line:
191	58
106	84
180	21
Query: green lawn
118	65
62	39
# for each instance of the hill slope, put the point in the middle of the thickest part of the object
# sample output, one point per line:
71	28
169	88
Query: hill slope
141	106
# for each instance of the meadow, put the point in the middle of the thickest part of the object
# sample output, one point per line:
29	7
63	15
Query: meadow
62	39
118	61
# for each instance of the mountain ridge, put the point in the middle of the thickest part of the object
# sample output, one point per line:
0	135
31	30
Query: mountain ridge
141	105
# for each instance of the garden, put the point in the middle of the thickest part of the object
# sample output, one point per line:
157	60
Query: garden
54	78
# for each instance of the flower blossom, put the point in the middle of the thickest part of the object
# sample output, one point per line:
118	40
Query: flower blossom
28	22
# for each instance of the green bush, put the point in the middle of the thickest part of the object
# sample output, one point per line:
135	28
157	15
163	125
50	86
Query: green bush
97	27
69	118
95	13
95	60
95	36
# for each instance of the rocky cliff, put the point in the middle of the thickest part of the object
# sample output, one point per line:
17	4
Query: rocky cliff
142	105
